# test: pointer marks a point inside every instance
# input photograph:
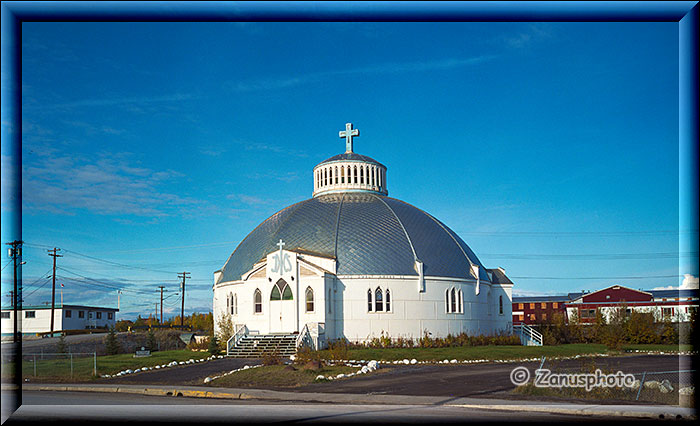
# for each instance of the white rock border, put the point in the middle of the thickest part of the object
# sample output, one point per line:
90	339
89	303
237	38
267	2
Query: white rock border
158	367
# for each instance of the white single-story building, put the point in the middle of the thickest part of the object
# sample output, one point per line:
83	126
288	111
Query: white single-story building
37	319
353	263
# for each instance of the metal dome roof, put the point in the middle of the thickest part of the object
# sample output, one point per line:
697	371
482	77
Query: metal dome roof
367	234
351	156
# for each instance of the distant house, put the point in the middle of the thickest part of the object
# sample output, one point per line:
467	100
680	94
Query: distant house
672	305
37	319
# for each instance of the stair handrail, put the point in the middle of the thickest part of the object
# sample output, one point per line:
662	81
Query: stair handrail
304	338
530	332
241	332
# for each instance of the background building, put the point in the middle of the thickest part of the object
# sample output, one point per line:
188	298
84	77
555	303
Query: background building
37	319
672	305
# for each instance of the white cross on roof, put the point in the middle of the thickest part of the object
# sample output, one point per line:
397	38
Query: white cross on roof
348	133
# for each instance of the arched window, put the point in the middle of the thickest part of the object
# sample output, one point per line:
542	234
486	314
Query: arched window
387	301
235	304
275	294
228	301
369	300
342	174
281	291
460	301
362	175
336	174
330	301
447	301
500	305
230	297
354	174
453	300
257	301
309	300
378	300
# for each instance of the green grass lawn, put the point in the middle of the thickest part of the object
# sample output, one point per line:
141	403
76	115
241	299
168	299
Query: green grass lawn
493	352
471	352
59	369
277	376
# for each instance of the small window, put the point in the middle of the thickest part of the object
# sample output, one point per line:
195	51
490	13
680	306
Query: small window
68	313
257	300
235	304
81	314
369	300
330	301
89	315
388	300
520	317
521	306
5	315
309	300
30	314
460	298
544	317
110	315
378	300
533	317
453	300
555	305
447	301
543	305
532	306
99	315
500	305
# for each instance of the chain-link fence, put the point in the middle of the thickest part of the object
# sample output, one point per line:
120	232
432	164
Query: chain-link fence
660	387
58	365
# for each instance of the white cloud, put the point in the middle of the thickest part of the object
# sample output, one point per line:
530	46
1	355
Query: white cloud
386	68
689	282
107	186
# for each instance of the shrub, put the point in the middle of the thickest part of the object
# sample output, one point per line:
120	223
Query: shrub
305	355
151	343
225	326
272	358
111	343
61	347
338	349
214	345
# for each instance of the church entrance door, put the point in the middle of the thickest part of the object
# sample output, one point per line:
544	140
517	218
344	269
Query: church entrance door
282	315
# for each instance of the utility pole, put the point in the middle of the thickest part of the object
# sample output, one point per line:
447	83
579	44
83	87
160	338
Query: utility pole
183	275
53	253
15	252
161	303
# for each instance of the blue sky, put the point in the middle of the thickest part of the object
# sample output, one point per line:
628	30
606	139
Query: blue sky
550	148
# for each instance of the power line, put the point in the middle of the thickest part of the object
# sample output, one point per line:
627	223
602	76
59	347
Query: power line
112	286
596	278
580	233
117	264
591	256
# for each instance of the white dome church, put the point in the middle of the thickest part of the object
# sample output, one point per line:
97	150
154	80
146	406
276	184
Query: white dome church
353	263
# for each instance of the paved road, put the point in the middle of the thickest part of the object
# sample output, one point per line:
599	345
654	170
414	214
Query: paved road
121	408
477	379
192	374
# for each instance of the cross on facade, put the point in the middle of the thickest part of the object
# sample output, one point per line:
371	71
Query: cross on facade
280	244
348	133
